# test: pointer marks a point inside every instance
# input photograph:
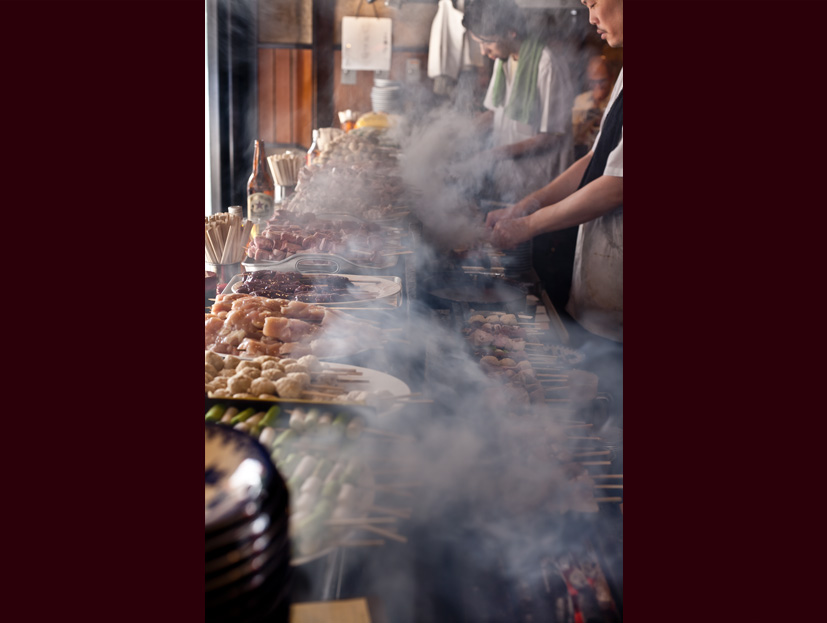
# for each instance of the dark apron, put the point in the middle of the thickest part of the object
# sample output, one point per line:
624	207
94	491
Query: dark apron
553	253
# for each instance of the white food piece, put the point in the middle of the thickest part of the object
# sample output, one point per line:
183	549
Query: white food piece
296	367
231	362
253	373
273	374
289	388
311	362
493	318
220	393
245	396
356	396
229	414
262	386
210	369
287	362
267	436
207	378
507	361
239	383
214	359
248	364
477	318
348	496
262	359
270	364
304	468
312	485
508	319
305	502
490	360
296	421
302	378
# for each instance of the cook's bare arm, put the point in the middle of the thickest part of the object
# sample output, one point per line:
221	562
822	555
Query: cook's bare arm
559	188
588	203
593	200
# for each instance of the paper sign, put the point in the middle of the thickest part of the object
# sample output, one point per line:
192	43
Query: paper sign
366	43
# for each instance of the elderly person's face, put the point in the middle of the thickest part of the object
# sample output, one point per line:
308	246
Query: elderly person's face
607	15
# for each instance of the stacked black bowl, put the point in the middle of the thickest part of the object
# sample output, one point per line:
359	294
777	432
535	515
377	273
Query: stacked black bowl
248	577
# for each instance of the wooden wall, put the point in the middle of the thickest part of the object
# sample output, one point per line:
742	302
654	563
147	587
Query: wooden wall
285	96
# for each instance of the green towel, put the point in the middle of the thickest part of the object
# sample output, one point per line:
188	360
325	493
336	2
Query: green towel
522	102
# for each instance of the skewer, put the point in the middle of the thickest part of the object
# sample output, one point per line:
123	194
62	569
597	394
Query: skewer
353	521
592	453
343	370
386	533
402	513
576	437
365	543
607	476
578	425
608	486
608	499
594	462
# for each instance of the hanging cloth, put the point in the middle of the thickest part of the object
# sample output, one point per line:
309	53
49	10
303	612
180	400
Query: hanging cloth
522	104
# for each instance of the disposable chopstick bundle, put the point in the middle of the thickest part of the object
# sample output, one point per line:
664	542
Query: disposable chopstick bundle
285	168
225	238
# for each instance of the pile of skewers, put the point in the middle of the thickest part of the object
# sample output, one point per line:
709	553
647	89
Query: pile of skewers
285	167
225	238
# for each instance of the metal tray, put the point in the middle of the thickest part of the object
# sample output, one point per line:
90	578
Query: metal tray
389	288
318	263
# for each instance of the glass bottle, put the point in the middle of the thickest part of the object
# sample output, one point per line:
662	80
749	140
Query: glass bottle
261	189
314	150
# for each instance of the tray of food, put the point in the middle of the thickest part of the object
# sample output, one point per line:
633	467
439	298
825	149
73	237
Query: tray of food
305	379
323	456
318	288
253	326
290	241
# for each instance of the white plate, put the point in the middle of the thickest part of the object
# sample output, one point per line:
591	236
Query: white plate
368	287
377	381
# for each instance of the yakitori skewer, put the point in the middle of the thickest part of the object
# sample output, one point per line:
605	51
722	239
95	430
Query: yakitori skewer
608	499
592	453
354	521
601	486
402	513
607	475
385	533
363	543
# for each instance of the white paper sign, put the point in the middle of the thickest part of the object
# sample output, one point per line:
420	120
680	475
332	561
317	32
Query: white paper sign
366	43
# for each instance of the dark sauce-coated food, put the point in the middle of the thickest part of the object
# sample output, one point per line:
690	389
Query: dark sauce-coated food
296	286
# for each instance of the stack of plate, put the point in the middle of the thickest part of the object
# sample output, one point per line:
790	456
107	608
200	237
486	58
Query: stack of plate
247	573
386	96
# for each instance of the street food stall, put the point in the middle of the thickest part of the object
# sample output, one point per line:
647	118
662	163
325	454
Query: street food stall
397	425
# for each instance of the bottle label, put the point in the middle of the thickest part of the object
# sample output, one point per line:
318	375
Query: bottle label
260	207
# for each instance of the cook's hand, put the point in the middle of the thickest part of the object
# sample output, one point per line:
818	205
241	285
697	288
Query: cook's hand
510	232
495	216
